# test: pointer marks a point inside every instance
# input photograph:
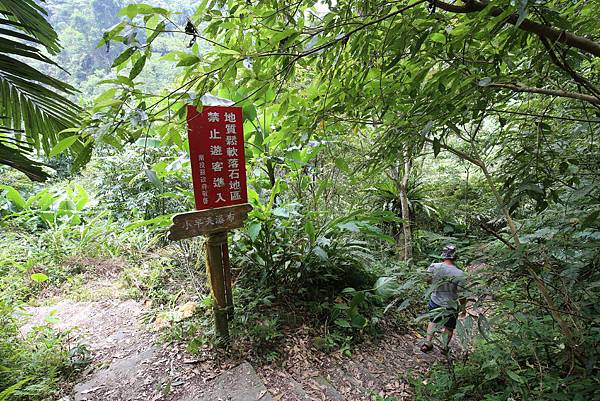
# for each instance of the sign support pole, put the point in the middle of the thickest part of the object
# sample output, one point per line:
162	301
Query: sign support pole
216	246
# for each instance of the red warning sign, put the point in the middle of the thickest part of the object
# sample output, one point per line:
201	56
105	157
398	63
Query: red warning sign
216	139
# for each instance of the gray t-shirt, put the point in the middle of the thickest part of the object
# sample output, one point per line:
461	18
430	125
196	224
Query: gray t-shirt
447	282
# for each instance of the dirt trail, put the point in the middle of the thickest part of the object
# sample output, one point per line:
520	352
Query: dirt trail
129	362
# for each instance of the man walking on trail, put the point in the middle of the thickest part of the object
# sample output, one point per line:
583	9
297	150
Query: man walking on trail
448	281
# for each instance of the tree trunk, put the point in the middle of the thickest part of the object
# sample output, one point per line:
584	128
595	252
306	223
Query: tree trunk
405	209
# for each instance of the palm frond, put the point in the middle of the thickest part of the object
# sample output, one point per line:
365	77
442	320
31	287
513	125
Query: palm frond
34	108
28	16
16	159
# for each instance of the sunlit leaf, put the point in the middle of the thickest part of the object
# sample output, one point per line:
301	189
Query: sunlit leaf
63	145
39	277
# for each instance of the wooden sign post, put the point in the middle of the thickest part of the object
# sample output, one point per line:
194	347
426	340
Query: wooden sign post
219	175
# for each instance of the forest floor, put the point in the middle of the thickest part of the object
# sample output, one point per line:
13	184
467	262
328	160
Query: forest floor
129	361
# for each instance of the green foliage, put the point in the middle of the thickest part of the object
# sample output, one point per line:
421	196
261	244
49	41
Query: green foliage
355	310
284	250
48	208
141	182
493	373
258	321
370	82
33	362
498	121
521	352
67	225
323	267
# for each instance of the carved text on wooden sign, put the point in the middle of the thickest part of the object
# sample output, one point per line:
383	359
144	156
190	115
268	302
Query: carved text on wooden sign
205	222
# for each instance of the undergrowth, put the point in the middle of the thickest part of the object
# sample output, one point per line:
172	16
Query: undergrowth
35	362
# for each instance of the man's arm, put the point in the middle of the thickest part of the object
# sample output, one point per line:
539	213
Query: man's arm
462	299
429	275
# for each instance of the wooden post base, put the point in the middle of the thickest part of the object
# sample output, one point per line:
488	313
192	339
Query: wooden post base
217	263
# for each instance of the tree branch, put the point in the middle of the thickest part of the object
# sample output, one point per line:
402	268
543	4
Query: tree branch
562	64
458	153
542	116
341	38
497	236
543	91
543	31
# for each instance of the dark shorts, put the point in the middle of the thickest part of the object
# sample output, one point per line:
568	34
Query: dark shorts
447	316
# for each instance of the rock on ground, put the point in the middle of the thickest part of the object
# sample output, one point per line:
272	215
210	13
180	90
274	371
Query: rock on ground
238	384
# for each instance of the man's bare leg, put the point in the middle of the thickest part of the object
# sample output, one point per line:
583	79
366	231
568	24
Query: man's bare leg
446	337
431	329
430	332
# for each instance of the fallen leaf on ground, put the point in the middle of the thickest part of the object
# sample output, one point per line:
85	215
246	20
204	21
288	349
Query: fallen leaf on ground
186	310
161	322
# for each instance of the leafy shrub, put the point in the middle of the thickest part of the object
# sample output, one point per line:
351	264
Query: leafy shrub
55	224
284	250
286	257
141	182
48	207
506	370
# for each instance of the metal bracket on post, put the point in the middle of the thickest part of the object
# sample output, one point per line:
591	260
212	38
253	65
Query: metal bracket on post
227	279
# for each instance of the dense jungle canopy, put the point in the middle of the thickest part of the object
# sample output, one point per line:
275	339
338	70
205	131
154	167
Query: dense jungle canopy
376	132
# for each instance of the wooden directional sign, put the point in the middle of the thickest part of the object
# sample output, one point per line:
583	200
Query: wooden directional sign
207	222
